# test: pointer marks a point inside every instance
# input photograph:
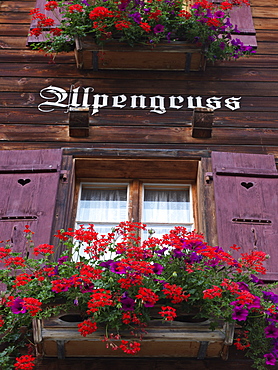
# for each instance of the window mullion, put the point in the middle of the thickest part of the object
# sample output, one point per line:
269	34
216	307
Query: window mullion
135	200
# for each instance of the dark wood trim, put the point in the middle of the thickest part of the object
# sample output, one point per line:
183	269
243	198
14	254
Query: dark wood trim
63	208
137	153
206	202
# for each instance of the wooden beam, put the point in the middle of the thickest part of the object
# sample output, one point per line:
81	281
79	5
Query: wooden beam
202	123
79	122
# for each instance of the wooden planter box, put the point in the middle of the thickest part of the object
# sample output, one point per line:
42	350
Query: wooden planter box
55	337
175	56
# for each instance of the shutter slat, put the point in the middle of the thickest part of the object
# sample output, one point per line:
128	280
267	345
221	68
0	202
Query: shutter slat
246	204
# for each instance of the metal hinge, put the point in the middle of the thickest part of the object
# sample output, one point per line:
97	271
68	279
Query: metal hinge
64	175
208	177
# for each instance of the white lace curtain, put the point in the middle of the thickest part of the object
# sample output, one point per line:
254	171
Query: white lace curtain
103	207
166	206
106	207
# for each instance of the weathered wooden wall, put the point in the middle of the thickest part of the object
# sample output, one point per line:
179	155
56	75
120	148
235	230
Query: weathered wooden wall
23	73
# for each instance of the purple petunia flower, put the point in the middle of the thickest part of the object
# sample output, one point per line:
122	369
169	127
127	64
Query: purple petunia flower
87	288
236	30
194	257
117	268
222	45
157	268
158	28
270	296
178	254
123	5
271	331
17	306
62	259
136	17
127	303
161	252
256	280
243	286
239	313
228	23
270	359
256	303
219	14
106	264
75	302
209	14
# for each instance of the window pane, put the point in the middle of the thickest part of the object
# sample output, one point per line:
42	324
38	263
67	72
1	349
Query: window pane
166	206
103	204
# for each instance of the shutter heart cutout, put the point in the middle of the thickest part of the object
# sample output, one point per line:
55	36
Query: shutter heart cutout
23	181
247	185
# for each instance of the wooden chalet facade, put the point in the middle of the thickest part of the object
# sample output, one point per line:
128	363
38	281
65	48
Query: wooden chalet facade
143	126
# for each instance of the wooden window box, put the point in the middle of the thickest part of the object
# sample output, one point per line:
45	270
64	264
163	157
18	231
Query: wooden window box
55	337
175	56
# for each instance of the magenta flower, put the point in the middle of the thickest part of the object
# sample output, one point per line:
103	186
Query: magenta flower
255	279
239	313
87	288
270	359
271	297
158	28
106	264
157	268
127	304
62	259
256	303
117	268
219	14
17	306
271	331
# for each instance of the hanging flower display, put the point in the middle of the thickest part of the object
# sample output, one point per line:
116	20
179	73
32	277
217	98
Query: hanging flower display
142	22
116	280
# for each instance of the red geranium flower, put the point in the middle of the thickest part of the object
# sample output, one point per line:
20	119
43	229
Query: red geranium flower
25	362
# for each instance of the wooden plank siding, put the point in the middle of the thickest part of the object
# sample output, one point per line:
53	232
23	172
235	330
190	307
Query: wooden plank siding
23	73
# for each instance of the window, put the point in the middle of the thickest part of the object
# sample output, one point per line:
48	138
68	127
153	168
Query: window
232	196
161	206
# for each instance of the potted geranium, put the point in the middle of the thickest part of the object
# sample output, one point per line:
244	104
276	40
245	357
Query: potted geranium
196	30
116	289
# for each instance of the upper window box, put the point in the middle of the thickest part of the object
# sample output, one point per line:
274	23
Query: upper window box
138	35
178	56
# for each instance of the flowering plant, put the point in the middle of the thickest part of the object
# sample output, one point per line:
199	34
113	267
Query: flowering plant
146	22
115	280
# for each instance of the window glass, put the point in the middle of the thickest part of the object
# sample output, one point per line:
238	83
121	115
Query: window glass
104	205
161	206
165	207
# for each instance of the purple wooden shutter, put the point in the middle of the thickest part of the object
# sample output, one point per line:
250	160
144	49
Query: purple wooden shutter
246	198
241	16
40	4
29	182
